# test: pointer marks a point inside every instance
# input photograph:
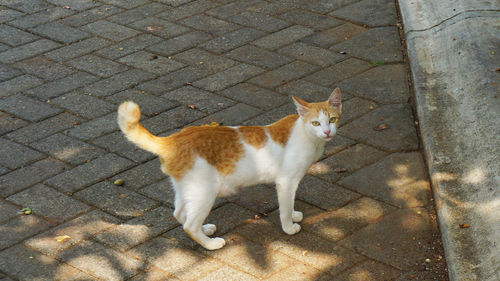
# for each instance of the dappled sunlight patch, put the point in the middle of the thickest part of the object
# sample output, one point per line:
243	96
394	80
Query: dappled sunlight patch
172	257
338	224
124	235
316	252
67	153
78	230
96	265
250	257
443	176
475	176
100	261
415	220
319	168
370	270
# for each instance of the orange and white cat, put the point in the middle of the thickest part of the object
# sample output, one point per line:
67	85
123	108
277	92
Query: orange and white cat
205	162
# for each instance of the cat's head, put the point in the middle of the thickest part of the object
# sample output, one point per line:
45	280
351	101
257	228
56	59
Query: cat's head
321	119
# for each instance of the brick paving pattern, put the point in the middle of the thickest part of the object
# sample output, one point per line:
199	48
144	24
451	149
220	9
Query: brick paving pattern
65	66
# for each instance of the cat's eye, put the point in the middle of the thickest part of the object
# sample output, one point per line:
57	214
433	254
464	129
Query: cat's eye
333	119
315	123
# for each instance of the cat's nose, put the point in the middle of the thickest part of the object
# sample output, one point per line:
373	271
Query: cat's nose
327	133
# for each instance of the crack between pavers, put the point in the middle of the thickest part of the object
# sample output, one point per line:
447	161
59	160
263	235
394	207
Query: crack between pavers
454	16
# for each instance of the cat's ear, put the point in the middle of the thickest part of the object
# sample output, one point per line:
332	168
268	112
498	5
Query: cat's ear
335	99
302	106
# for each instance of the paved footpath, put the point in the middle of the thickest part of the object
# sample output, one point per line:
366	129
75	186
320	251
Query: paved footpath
65	65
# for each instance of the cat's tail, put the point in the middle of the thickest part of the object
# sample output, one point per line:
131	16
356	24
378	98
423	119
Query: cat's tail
129	115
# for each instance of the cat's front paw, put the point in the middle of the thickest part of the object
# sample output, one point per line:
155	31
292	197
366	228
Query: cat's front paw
297	216
214	243
294	228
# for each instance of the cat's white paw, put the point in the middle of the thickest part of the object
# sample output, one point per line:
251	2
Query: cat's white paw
294	228
209	229
215	243
297	216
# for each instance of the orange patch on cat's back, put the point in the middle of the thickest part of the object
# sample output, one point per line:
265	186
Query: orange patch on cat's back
281	129
219	146
253	135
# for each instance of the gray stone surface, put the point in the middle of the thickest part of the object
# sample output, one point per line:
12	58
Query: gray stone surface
398	179
379	44
232	40
10	123
150	105
89	173
68	149
29	175
14	155
138	230
30	265
151	63
202	100
28	50
260	21
312	20
283	74
159	27
324	194
283	37
371	13
228	77
311	54
110	30
97	65
94	128
77	49
258	56
15	37
116	200
334	35
60	32
338	72
21	228
255	96
79	229
71	63
7	211
205	60
458	117
82	257
18	84
400	243
47	127
180	43
44	68
389	127
140	176
61	86
384	84
119	82
49	203
41	17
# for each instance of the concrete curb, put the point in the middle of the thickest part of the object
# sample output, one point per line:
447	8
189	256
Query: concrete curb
454	51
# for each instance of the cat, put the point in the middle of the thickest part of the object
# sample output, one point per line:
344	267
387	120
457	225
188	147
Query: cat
205	162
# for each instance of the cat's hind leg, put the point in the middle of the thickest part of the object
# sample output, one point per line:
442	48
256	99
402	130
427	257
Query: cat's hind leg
180	211
198	205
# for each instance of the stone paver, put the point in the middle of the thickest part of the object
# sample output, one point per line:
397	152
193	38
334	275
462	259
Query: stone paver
66	65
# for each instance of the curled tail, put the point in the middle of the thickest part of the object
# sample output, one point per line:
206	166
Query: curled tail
129	115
